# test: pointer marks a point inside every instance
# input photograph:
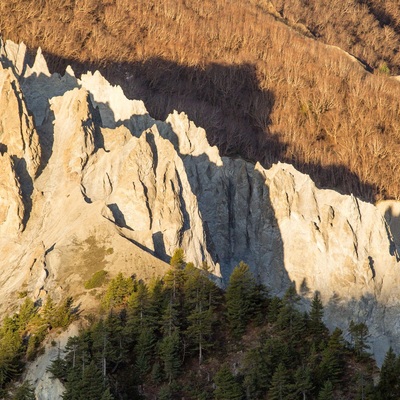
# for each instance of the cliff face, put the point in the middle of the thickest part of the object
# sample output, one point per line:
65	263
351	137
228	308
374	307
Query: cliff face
90	181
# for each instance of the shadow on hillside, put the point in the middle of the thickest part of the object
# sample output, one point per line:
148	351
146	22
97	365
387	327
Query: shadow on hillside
238	218
227	101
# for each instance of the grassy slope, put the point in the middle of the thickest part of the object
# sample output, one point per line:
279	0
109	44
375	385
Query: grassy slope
253	75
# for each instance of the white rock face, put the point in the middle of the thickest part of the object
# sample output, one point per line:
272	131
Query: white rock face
90	181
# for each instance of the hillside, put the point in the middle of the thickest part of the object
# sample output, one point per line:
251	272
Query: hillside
91	182
269	80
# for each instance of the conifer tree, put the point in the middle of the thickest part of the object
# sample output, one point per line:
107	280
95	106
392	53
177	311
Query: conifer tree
290	321
26	313
92	386
107	395
317	327
238	298
169	354
115	340
118	291
303	382
332	363
280	389
326	393
389	383
48	312
227	388
174	278
24	392
138	309
259	303
359	334
257	373
274	308
144	351
199	304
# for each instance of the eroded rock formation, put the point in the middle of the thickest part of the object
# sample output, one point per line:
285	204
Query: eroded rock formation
89	181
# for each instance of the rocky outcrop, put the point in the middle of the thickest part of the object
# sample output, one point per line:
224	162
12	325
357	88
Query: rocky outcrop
112	188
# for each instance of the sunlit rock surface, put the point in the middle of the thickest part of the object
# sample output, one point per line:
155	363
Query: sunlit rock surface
90	181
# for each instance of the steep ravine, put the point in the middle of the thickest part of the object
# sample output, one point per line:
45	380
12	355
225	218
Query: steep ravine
90	181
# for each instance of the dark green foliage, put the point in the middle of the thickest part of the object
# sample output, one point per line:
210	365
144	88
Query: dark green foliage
170	355
118	291
168	339
281	387
24	392
257	371
107	395
326	392
200	302
290	321
157	375
389	384
58	368
58	316
239	299
97	280
274	308
165	393
316	325
303	382
332	363
20	339
26	313
144	350
227	388
88	384
359	334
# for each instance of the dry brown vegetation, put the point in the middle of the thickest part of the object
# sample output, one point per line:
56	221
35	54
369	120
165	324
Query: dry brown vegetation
368	29
258	81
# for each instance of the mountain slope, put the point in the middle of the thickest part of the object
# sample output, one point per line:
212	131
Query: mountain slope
269	80
92	182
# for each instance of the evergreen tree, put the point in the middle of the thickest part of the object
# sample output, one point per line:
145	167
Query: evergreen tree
317	327
257	373
107	395
359	334
178	259
389	383
58	316
326	392
169	354
114	340
58	368
138	310
170	318
26	313
49	311
238	298
174	278
10	349
303	382
118	291
259	303
156	305
227	388
144	351
199	304
281	389
332	364
274	308
24	392
290	322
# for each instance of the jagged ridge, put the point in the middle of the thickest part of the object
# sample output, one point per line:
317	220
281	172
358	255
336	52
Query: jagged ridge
91	181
